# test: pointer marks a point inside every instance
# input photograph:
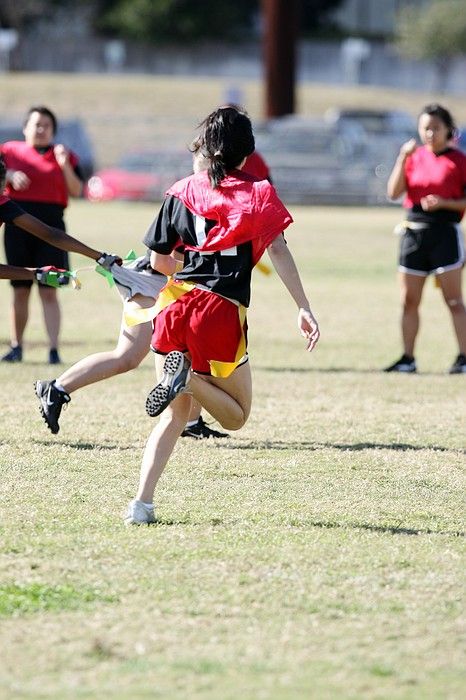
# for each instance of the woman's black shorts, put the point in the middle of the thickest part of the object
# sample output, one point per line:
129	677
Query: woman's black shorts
25	250
426	249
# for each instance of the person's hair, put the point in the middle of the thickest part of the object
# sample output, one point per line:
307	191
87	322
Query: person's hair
2	173
46	112
436	110
225	140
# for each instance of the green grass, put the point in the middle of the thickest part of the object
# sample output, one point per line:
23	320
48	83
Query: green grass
16	599
318	553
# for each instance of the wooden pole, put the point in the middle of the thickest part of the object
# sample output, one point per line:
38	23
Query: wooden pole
279	46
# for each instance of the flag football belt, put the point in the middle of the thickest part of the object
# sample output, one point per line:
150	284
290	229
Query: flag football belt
174	291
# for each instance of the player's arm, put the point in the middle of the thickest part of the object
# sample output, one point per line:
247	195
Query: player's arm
432	202
74	184
166	264
396	184
162	239
285	266
56	237
11	272
17	179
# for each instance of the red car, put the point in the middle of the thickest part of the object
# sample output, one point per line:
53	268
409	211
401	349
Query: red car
143	176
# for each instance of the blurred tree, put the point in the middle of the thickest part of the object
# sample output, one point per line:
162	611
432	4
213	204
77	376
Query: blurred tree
187	20
434	32
315	15
18	14
166	20
174	20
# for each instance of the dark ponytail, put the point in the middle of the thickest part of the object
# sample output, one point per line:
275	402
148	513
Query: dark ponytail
226	139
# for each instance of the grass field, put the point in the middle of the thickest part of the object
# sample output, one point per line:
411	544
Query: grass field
318	553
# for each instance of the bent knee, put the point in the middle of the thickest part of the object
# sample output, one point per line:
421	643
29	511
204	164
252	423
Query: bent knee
232	425
455	305
233	422
126	364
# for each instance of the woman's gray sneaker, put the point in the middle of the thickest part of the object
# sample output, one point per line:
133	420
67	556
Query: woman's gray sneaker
175	378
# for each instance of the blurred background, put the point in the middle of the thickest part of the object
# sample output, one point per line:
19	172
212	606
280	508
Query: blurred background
333	86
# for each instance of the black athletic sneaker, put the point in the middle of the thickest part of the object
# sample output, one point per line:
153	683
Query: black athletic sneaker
201	430
174	379
51	403
404	364
54	357
459	365
14	355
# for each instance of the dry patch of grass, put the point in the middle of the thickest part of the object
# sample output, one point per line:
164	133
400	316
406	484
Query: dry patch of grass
131	112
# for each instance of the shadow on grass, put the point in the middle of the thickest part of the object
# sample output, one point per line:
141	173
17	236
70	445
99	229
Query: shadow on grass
341	370
314	370
266	445
322	524
83	445
355	447
391	529
34	344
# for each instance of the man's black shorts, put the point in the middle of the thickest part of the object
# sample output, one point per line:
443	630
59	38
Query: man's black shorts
426	249
25	250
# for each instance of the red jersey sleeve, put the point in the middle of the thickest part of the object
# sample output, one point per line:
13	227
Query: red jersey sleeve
270	219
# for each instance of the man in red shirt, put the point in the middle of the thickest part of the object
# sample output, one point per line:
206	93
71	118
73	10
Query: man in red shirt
40	177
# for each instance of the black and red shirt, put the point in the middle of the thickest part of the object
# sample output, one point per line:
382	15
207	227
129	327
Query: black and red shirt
225	230
443	174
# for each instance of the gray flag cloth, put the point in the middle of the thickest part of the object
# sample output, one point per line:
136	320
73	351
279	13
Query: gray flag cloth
130	281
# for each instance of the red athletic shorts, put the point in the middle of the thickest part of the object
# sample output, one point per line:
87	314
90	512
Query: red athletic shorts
205	325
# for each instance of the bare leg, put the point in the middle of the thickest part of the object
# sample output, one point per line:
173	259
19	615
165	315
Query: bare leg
450	283
161	442
19	314
411	294
227	400
195	411
52	315
132	347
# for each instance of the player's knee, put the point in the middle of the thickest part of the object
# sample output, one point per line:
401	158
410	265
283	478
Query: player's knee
233	422
129	362
410	303
455	305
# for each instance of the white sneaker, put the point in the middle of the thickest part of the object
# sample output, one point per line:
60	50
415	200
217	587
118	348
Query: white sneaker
139	514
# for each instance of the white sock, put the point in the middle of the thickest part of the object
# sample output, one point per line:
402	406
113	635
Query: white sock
149	506
59	387
191	423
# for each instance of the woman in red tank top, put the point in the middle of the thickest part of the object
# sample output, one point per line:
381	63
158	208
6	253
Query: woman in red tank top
433	179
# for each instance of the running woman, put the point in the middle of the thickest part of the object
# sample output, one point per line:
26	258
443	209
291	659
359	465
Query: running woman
433	179
226	219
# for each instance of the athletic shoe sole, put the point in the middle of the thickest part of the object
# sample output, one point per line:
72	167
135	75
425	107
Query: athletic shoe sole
173	382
